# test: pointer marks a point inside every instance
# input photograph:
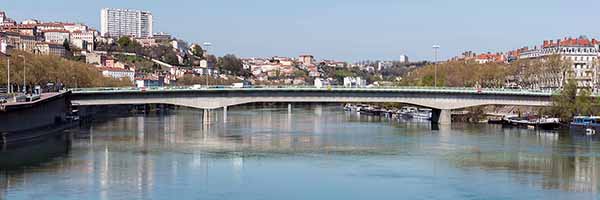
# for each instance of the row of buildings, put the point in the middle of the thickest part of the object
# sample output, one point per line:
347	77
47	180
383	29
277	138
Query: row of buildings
48	38
579	54
292	70
56	38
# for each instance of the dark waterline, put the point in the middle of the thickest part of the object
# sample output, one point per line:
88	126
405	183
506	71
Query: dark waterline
316	152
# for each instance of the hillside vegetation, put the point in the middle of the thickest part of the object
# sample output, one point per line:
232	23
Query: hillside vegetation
41	70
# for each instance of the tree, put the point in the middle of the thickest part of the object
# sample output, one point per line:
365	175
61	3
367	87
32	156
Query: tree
124	41
43	69
299	74
341	74
231	64
564	104
127	44
66	45
197	51
211	59
583	102
171	58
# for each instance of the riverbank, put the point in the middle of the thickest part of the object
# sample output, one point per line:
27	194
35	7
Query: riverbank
480	114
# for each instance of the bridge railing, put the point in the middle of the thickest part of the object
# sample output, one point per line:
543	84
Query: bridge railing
332	88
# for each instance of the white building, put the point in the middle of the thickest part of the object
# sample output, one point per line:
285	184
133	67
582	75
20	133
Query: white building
354	82
581	53
30	22
75	27
403	58
123	22
4	48
381	65
318	82
56	36
84	39
179	45
4	20
44	48
117	73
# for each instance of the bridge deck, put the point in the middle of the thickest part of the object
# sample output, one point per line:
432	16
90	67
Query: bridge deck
325	89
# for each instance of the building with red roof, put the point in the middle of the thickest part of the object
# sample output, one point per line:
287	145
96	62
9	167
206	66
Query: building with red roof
581	52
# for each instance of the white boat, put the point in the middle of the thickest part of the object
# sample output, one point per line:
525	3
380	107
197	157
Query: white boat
422	113
415	113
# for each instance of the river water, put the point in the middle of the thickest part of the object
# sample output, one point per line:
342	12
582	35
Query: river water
314	152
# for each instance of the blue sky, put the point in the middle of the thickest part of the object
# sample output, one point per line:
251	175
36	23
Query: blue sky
343	29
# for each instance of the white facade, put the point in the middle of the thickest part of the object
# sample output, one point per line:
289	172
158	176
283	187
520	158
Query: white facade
4	20
354	82
30	22
4	47
123	22
118	73
318	82
403	58
44	48
57	37
83	39
75	27
583	69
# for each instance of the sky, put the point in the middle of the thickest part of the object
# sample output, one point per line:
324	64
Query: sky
349	30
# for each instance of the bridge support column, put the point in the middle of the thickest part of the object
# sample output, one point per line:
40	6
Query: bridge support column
206	116
225	114
289	108
442	117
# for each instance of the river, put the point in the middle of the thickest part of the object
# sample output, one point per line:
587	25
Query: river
314	152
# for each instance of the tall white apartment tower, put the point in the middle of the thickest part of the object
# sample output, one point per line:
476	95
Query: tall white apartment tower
124	22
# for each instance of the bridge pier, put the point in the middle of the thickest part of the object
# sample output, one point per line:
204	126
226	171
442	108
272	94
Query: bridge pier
225	114
206	116
442	117
289	108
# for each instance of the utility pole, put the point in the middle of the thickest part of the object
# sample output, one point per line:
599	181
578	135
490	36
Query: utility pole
435	52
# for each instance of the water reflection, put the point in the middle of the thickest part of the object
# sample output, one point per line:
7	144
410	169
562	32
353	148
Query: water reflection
174	155
18	158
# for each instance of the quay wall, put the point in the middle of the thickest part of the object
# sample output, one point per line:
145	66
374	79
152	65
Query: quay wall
49	110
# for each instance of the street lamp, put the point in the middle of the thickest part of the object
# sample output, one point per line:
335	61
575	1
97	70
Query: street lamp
435	52
24	75
206	45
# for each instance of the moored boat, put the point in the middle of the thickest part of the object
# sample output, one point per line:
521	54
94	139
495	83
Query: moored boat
533	122
585	124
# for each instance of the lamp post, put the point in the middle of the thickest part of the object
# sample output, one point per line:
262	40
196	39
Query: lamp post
8	74
435	52
24	75
207	45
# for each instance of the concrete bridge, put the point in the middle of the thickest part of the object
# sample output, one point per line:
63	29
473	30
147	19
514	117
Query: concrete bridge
441	100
